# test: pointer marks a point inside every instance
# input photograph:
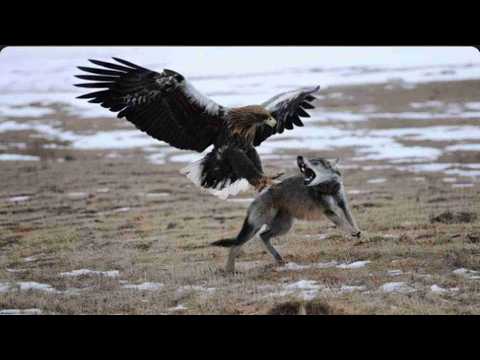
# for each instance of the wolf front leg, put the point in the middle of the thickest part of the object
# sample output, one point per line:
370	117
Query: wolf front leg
337	216
341	199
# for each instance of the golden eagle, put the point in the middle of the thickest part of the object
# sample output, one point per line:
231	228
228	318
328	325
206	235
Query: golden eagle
167	107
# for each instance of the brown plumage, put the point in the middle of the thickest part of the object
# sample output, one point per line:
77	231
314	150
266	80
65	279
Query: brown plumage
243	121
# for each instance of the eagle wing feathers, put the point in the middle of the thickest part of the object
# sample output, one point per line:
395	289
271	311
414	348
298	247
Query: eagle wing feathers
163	105
287	108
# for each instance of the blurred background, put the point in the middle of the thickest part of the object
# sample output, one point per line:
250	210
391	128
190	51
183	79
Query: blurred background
36	82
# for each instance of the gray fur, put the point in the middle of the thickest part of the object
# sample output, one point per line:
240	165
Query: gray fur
297	197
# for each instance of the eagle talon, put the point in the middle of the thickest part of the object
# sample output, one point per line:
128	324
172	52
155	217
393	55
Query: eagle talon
278	175
264	182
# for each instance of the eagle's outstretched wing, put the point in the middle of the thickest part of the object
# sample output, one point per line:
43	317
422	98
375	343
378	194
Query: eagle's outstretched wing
286	108
164	105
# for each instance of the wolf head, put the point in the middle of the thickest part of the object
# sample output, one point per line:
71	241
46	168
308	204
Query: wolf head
318	171
325	175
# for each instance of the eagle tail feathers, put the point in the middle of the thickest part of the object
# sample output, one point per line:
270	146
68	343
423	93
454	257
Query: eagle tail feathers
223	186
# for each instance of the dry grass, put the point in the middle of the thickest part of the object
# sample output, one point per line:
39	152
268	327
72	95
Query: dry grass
164	239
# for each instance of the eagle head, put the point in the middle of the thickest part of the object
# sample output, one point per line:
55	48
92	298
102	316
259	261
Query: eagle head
244	120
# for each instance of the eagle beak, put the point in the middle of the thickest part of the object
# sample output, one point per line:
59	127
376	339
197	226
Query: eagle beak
271	122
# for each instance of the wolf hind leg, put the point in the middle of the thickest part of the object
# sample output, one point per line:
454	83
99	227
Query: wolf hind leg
247	232
280	225
259	213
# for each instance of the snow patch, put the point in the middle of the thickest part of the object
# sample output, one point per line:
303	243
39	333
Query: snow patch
463	147
472	105
179	307
18	198
395	272
32	285
376	181
455	186
439	290
197	288
85	272
157	195
77	195
469	274
356	192
144	286
306	289
449	180
399	287
4	287
103	190
241	200
354	265
20	312
426	104
291	266
18	157
351	288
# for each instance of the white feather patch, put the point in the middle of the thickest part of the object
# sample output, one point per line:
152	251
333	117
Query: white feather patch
196	96
231	189
194	172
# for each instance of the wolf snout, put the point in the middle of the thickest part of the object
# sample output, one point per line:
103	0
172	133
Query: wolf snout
357	234
300	161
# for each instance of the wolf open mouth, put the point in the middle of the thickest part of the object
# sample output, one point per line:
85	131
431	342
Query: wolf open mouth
308	173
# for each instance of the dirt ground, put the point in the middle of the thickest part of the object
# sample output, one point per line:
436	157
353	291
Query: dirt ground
88	210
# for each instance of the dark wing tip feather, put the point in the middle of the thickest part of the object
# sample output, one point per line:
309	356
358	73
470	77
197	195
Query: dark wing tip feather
94	94
302	112
100	71
96	77
307	105
110	65
95	85
128	63
296	120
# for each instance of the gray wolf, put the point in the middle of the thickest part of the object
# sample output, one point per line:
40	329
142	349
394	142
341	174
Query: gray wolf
317	192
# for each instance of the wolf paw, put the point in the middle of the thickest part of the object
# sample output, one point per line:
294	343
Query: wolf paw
227	272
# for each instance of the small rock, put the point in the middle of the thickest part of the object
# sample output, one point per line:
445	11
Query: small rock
474	238
448	217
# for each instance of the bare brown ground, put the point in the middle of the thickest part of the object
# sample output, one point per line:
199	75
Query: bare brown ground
152	225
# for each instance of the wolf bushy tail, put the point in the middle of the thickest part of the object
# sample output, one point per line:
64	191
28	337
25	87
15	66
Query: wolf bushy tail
247	232
225	242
